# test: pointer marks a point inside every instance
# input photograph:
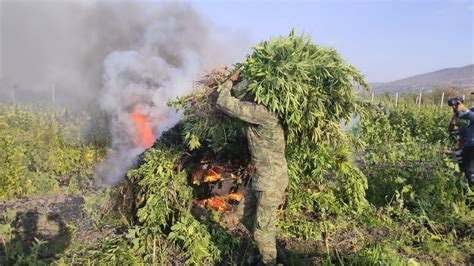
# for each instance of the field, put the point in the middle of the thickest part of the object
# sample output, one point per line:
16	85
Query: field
415	207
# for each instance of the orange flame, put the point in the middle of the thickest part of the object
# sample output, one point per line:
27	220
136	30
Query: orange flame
237	196
212	176
220	203
145	136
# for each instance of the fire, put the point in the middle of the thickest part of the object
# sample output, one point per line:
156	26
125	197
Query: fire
211	172
220	203
145	136
237	196
212	175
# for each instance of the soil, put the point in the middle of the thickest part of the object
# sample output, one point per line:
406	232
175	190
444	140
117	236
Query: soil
47	218
246	252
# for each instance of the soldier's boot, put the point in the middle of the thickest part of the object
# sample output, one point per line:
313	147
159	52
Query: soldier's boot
271	260
268	257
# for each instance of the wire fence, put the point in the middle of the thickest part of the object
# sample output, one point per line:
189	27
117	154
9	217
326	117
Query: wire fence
421	98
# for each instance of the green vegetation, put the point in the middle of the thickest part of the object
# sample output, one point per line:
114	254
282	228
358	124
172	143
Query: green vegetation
42	150
383	192
309	87
413	181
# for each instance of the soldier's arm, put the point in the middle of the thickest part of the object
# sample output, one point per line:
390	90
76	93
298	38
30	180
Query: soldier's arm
246	111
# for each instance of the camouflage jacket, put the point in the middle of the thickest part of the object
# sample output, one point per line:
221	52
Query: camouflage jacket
265	139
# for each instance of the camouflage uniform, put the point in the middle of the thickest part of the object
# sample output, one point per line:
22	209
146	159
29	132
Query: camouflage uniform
267	147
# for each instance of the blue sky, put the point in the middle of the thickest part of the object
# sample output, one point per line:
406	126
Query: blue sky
385	40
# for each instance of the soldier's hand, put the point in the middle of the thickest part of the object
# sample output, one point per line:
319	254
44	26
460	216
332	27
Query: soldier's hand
235	76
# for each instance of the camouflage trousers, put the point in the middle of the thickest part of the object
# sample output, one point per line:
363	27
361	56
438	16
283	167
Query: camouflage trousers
259	213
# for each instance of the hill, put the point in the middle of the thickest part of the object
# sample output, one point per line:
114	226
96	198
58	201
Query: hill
460	77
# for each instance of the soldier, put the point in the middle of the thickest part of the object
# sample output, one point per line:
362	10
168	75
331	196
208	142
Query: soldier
467	136
266	143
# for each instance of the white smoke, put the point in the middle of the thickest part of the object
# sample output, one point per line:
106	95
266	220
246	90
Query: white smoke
131	57
174	47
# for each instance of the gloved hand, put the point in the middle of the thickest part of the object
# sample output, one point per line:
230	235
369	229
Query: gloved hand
235	76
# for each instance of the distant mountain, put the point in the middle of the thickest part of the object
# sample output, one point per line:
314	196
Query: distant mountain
460	77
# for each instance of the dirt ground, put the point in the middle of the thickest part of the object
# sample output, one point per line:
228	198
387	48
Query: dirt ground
49	218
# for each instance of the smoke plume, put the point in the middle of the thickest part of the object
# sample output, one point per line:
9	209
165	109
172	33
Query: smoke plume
131	57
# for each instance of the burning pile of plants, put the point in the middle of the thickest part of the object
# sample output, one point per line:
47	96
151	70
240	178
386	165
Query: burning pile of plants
223	181
204	161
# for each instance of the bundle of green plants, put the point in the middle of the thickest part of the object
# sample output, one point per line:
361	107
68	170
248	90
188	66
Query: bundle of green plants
312	90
